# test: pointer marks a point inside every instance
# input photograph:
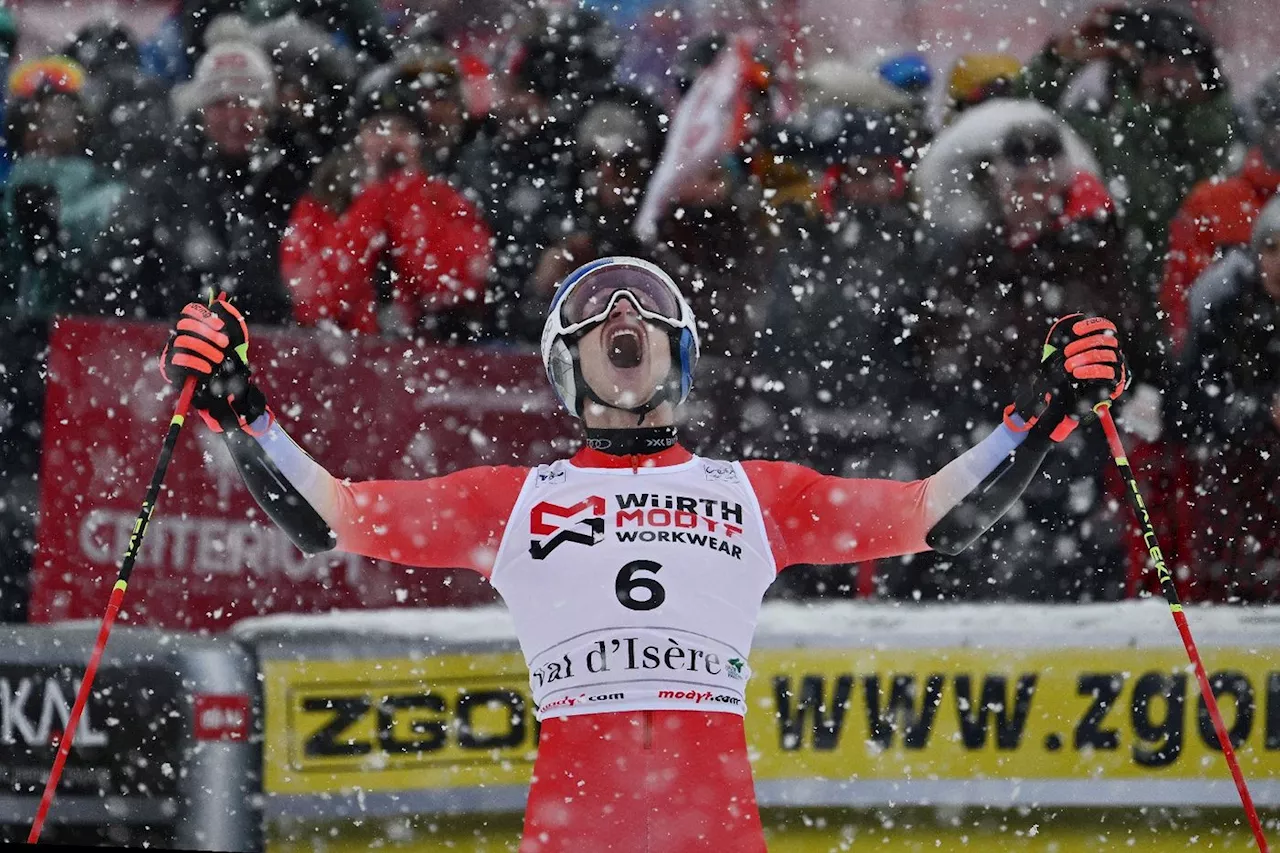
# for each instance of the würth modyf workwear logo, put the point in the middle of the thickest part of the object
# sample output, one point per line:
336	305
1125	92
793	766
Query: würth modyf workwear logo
582	523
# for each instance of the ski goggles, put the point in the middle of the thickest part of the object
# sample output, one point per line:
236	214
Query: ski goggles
590	299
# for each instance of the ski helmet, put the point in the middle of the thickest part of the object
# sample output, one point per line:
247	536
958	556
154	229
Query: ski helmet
585	299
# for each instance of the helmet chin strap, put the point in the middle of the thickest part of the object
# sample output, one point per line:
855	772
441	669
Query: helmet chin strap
661	395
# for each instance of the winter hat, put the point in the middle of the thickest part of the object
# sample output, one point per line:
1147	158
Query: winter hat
978	76
47	75
30	83
1163	33
229	69
909	72
403	86
1267	225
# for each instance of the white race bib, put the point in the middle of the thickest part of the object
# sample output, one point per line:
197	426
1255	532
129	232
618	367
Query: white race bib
635	590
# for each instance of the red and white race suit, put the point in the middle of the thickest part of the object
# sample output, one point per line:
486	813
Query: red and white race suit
635	584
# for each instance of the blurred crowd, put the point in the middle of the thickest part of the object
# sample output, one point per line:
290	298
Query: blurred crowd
875	246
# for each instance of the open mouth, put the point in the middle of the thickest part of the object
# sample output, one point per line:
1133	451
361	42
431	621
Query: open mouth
624	347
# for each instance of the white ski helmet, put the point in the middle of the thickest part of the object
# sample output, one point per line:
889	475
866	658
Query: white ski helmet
587	296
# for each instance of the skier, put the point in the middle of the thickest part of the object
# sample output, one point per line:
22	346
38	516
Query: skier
634	570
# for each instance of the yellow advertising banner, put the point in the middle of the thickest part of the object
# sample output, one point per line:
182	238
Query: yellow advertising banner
954	713
397	724
1071	717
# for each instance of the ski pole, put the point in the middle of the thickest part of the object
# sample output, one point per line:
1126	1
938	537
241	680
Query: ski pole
113	604
1179	617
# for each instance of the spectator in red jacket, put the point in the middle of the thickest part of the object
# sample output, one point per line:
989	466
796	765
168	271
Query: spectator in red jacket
379	244
1220	213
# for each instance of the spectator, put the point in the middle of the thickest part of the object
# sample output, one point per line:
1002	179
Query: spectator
1235	373
718	225
697	56
130	113
1080	68
910	73
58	202
1168	125
380	244
1052	249
1220	212
314	83
521	165
617	144
446	127
1235	350
891	88
226	191
838	331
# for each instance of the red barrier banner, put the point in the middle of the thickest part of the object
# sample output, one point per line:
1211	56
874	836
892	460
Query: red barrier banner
366	408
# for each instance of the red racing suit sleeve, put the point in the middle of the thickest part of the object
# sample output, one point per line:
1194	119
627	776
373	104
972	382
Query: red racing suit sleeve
453	521
817	518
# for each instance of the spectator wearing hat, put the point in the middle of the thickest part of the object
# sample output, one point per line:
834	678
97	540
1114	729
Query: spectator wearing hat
131	115
617	143
315	80
522	163
1168	124
56	209
1051	247
436	101
382	244
1219	213
58	202
227	192
842	299
1234	381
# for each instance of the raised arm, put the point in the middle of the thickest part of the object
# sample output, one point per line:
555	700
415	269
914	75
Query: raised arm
813	518
455	521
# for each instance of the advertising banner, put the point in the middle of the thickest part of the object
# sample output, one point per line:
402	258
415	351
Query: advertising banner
824	728
862	716
165	754
391	724
1068	726
366	408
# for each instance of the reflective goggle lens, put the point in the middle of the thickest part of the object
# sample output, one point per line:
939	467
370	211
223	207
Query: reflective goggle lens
589	299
